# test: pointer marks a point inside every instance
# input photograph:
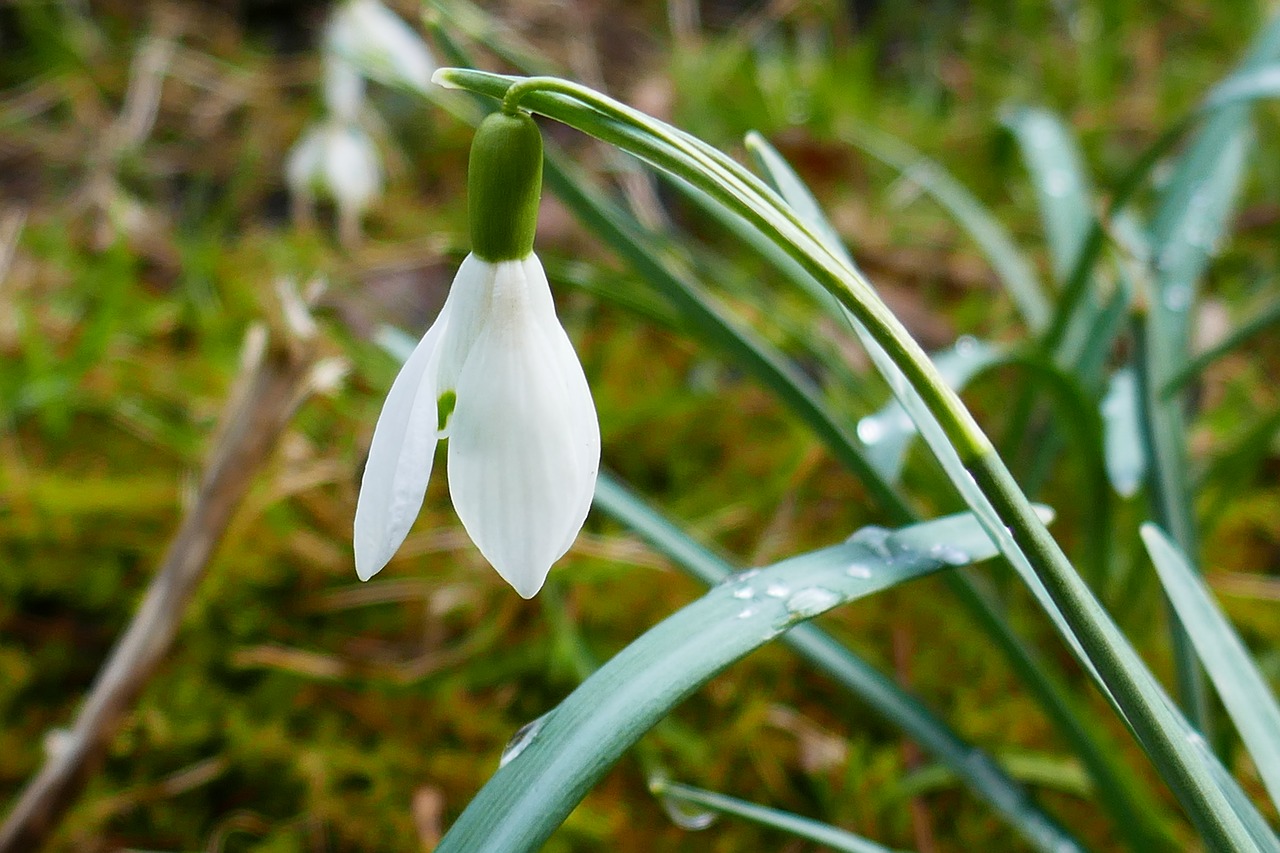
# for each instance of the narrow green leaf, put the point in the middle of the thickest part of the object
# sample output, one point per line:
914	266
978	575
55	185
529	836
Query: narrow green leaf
555	760
796	193
888	432
1062	185
1200	788
1248	85
983	776
934	435
793	824
1248	700
1131	807
1191	220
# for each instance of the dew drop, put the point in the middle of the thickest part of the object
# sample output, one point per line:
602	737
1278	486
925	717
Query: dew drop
870	430
744	592
859	571
686	815
950	555
777	590
57	742
876	539
966	344
811	601
746	613
521	740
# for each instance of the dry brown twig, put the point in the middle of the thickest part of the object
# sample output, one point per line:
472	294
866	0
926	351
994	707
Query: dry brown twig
278	372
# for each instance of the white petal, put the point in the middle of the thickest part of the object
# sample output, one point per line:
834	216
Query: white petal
525	443
400	457
468	305
582	409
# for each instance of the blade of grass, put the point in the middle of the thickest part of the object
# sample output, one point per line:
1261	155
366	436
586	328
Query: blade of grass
1062	186
1126	453
983	776
1065	200
1246	696
1129	805
1192	218
888	432
792	824
557	760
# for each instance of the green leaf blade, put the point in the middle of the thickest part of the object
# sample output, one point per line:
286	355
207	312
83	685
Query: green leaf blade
568	749
1248	700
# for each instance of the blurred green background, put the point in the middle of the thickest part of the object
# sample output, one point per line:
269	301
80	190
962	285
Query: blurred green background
303	711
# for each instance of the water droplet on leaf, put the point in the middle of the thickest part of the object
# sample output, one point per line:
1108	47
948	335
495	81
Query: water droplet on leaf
521	740
811	601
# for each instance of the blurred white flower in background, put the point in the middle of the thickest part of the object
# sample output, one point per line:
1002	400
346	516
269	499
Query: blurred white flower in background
336	157
376	41
343	88
338	160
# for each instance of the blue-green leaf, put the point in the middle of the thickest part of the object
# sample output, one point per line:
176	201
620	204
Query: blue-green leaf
1245	694
557	759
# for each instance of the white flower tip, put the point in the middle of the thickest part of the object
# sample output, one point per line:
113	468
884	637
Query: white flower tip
367	565
526	580
443	77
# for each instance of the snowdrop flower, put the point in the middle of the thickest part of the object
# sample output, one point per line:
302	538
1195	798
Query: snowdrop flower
343	89
336	158
374	39
497	376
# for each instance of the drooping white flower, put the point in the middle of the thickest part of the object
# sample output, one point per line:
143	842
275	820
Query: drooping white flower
496	375
375	40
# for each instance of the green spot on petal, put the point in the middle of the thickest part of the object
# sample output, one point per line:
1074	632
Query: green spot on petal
444	408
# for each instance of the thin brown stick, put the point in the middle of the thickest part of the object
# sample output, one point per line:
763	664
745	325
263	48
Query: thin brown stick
276	380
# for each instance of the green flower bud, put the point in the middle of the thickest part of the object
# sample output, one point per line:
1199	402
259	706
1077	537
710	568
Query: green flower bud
504	183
